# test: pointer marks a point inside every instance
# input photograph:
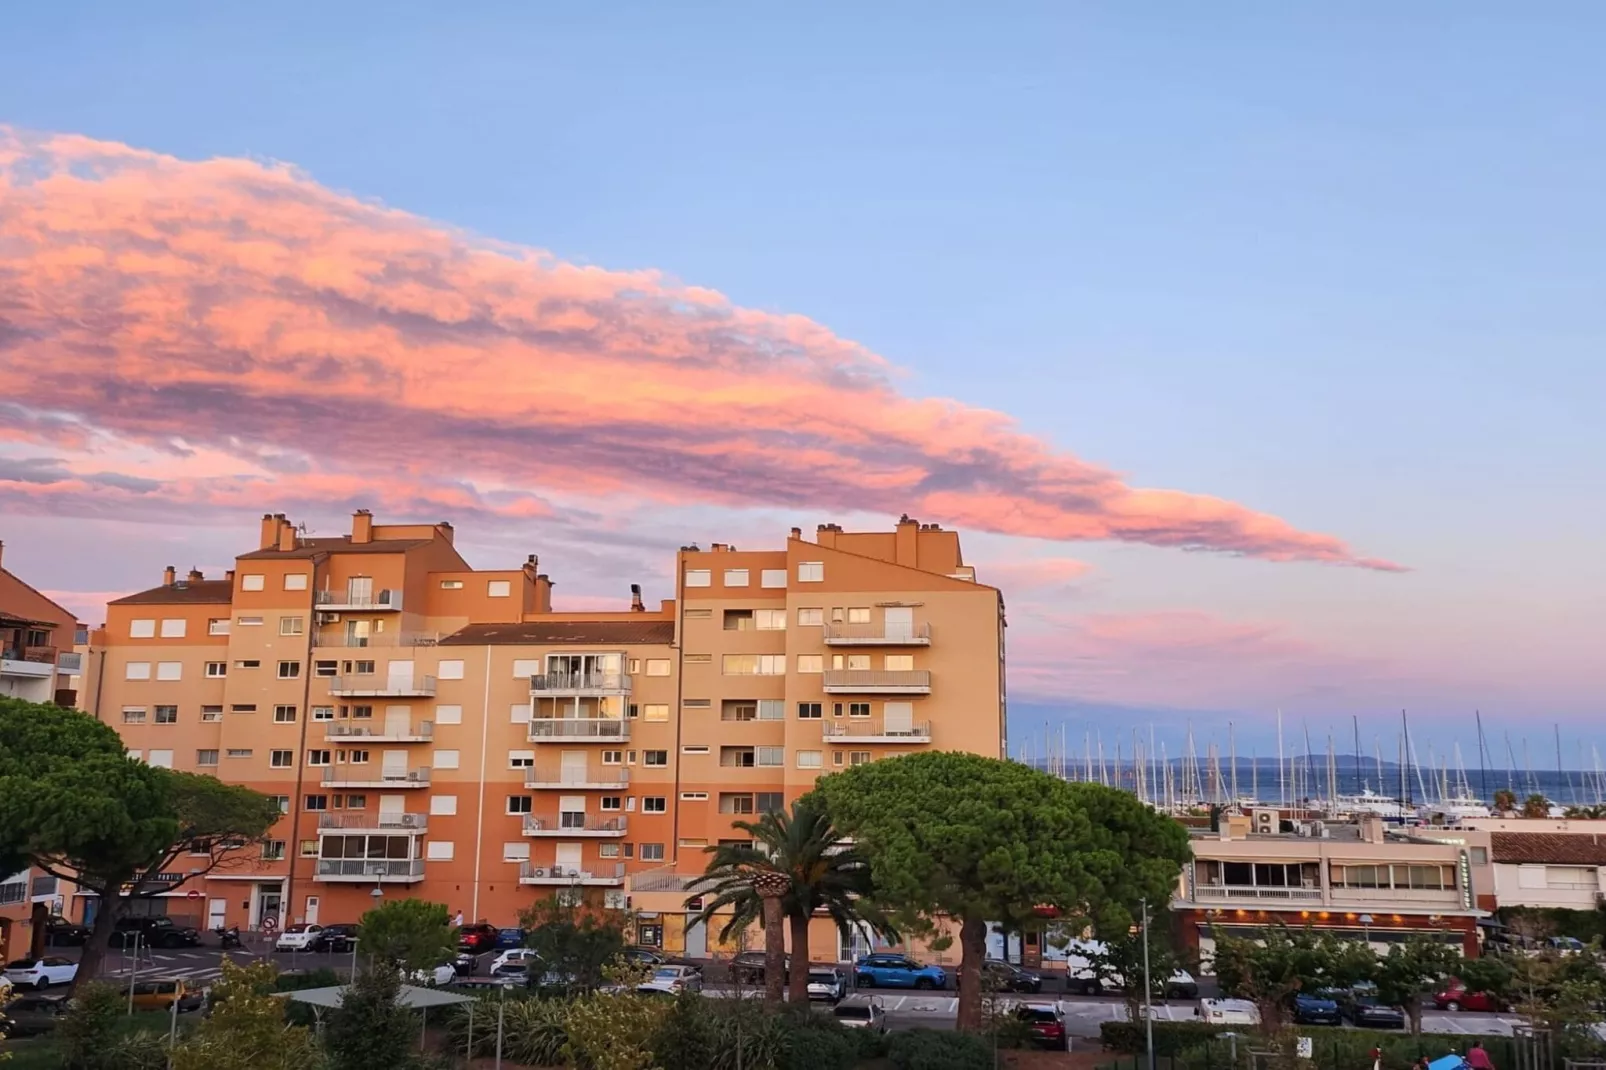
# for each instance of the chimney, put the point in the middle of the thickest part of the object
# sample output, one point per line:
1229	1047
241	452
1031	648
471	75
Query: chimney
797	533
635	599
446	530
532	566
825	535
229	575
907	542
1372	829
287	535
195	575
270	532
362	527
169	575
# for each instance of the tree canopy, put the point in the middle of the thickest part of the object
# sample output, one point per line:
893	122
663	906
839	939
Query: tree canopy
958	835
414	934
576	944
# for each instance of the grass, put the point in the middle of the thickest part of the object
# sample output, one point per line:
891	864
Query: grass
43	1053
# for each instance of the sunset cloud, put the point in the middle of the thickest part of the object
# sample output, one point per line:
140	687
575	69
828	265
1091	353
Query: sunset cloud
335	350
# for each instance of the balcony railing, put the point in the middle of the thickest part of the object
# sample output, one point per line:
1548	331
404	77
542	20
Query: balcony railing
580	683
372	602
375	822
578	729
876	731
378	639
400	870
588	826
350	776
877	682
877	635
1230	892
382	686
592	778
1395	895
604	874
420	732
10	665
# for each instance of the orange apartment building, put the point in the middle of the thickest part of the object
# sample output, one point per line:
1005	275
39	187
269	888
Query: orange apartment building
438	731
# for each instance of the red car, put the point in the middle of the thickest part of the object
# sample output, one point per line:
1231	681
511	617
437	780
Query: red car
476	938
1455	997
1046	1023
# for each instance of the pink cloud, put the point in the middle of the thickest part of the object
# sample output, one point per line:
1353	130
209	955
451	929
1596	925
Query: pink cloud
1025	574
249	310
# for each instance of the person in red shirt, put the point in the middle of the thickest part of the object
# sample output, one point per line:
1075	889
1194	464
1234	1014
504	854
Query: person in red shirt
1478	1059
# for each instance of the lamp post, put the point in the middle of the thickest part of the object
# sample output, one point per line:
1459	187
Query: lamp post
1366	927
1148	990
377	895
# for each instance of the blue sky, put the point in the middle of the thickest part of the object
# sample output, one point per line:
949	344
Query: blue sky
1340	265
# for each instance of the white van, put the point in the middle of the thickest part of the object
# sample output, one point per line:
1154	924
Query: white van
1082	976
1228	1012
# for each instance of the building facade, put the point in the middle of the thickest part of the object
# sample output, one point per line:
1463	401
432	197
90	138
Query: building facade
434	730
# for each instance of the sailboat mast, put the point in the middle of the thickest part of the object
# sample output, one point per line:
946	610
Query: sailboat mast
1483	762
1356	723
1562	779
1282	785
1232	756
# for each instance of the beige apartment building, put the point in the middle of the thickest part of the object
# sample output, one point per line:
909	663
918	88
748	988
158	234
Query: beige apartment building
434	730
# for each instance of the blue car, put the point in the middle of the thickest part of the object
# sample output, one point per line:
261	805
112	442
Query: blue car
898	971
509	938
1316	1010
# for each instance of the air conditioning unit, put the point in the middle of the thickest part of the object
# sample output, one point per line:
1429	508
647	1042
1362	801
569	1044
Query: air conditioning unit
1263	822
328	618
538	871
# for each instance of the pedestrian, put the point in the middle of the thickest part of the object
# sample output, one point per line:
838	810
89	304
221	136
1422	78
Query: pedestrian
458	920
1377	1059
1477	1058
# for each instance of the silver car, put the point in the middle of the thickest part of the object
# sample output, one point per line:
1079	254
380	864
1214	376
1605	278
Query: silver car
827	983
673	980
862	1012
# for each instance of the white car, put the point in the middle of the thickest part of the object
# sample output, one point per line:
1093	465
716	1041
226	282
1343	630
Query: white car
515	956
440	975
41	973
1228	1012
297	938
673	980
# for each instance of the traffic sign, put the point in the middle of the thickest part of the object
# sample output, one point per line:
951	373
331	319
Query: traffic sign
193	893
270	923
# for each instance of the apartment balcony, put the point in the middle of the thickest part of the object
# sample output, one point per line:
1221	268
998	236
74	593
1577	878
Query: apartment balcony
579	730
382	686
604	876
877	731
415	732
1229	893
367	822
370	870
877	635
595	778
33	662
579	684
373	602
575	827
390	640
1444	897
877	682
351	776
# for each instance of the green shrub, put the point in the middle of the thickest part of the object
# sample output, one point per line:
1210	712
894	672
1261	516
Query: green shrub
534	1031
815	1042
746	1027
1170	1038
928	1049
297	981
86	1032
688	1037
141	1050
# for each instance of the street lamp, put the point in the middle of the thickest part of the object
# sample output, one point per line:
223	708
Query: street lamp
1148	989
1366	927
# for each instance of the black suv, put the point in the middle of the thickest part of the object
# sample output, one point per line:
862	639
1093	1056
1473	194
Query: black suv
336	939
153	932
1003	976
59	932
748	967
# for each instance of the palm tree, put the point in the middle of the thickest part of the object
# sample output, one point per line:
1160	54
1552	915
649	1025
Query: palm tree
823	871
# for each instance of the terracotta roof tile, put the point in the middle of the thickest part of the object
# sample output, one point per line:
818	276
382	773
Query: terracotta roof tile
196	592
1554	848
559	632
335	544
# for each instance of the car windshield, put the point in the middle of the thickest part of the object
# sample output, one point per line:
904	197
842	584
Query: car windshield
856	1013
666	973
1038	1014
20	964
296	929
822	976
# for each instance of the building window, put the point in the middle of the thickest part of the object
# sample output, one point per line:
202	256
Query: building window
694	748
858	757
498	589
326	668
655	757
769	802
771	709
516	852
282	802
1478	856
316	802
769	620
808	759
309	848
448	714
358	668
771	756
169	670
211	713
292	625
520	759
318	756
735	802
738	620
281	759
173	628
217	669
654	804
323	713
694	796
166	715
247	663
858	709
289	670
284	714
612	757
161	759
251	582
249	622
810	663
243	707
445	759
736	577
354	757
811	571
142	629
272	850
519	804
443	805
133	714
810	618
699	577
753	664
738	709
772	577
237	752
439	850
607	850
449	670
858	614
451	585
612	802
655	711
652	852
899	663
657	666
808	711
218	626
137	670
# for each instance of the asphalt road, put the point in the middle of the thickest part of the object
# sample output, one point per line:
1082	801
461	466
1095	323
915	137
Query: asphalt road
905	1009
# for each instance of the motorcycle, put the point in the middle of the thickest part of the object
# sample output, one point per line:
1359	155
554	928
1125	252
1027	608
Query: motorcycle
229	937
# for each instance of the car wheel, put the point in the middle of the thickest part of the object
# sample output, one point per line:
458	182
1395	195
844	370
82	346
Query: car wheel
863	980
41	984
1035	988
1452	1006
924	984
1094	988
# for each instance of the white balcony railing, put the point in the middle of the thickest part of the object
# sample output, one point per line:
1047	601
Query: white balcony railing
603	874
576	826
375	822
592	778
382	686
400	870
877	635
379	639
352	776
877	731
580	683
1442	896
877	682
371	602
578	729
1230	892
419	732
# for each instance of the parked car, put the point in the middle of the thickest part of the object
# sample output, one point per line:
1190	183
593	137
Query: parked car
506	938
827	983
512	974
1455	997
444	974
477	938
1316	1009
59	932
154	931
337	939
1085	974
1566	945
1047	1025
520	956
672	980
646	956
898	971
32	1016
748	967
1369	1012
299	937
1228	1012
1003	976
862	1012
160	995
41	973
